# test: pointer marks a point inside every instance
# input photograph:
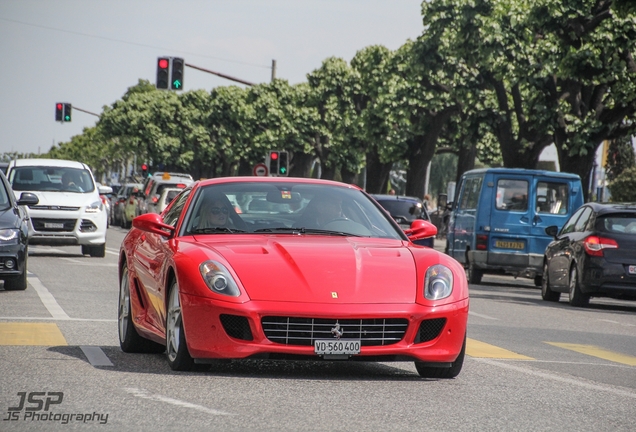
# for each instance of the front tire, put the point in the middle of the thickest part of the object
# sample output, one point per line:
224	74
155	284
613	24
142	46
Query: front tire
16	283
129	339
546	292
179	358
577	298
443	372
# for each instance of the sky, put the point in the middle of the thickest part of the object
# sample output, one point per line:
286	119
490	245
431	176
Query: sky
89	52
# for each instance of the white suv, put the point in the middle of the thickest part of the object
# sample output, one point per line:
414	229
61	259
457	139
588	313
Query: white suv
70	210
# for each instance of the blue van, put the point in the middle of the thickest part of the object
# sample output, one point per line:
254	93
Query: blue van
499	216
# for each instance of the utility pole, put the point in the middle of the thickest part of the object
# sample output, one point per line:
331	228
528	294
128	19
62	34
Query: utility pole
273	70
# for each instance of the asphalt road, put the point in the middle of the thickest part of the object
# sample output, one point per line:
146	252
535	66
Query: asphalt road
530	365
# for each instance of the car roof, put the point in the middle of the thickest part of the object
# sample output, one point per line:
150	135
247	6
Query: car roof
303	180
513	171
48	162
607	208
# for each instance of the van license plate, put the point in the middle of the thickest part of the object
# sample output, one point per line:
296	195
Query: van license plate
632	269
509	244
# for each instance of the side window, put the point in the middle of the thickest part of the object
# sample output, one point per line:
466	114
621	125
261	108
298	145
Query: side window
172	214
470	193
580	224
512	195
552	198
569	225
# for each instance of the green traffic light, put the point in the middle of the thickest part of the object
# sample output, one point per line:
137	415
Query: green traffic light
176	84
283	170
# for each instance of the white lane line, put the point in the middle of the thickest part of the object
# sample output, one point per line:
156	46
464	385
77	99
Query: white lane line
47	299
73	260
609	321
96	356
112	253
159	398
583	384
482	316
55	319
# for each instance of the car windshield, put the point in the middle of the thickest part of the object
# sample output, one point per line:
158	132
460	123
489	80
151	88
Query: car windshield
403	209
54	179
618	223
287	208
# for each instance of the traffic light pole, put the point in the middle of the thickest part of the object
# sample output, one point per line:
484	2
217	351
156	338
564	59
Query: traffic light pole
84	111
220	74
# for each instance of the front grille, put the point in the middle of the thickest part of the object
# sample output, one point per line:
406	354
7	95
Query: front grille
304	331
87	226
237	327
53	207
53	225
429	330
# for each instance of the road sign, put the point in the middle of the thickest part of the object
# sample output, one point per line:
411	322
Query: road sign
260	170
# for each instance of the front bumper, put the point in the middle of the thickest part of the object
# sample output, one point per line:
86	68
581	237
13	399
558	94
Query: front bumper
15	253
207	333
67	228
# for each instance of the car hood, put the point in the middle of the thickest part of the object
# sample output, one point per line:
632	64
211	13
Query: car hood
317	269
63	199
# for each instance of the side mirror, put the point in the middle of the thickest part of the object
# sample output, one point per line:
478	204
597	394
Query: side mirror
105	190
152	223
421	229
28	199
552	230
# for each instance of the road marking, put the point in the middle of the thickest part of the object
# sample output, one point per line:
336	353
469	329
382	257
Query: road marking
47	334
482	316
95	356
159	398
47	299
55	319
594	351
475	348
589	386
112	253
89	263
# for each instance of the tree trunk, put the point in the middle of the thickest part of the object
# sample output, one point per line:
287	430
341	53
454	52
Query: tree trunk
423	150
377	172
581	165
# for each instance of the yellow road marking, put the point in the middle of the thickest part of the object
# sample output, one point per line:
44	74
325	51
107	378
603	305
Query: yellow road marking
594	351
475	348
46	334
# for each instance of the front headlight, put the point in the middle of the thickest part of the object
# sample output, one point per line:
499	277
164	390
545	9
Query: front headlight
438	283
219	279
9	236
94	207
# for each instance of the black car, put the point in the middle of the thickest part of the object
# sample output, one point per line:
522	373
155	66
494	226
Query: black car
13	236
594	255
404	210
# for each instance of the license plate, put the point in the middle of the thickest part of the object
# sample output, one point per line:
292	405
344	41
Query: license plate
632	269
509	244
53	225
337	346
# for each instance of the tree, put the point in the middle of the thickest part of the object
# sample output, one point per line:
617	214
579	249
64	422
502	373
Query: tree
620	156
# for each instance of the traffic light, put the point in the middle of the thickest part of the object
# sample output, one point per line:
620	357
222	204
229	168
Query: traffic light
273	162
176	73
144	170
59	112
163	68
67	112
282	163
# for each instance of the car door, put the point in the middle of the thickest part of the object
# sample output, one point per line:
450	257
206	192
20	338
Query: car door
461	230
511	218
562	250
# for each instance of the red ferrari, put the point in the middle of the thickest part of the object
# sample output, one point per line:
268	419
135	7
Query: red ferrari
288	268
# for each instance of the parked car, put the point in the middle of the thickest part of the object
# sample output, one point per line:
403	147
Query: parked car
404	210
14	236
499	218
124	193
593	255
166	196
106	193
323	274
70	210
157	183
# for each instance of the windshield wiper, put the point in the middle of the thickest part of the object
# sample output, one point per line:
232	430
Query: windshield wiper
303	230
216	230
